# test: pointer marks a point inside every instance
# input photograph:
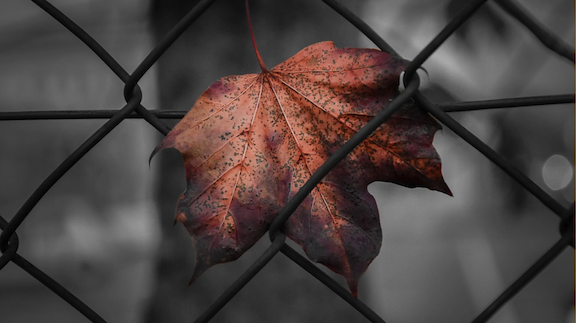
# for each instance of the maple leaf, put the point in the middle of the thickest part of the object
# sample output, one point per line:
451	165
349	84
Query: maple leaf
250	142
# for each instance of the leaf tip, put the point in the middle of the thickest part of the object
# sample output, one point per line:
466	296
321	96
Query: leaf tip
156	150
443	187
199	269
353	286
354	292
193	278
180	217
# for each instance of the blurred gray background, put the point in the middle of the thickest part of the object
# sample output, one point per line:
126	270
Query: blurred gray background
105	230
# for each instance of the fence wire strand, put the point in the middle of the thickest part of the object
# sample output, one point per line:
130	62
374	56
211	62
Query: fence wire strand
179	114
133	109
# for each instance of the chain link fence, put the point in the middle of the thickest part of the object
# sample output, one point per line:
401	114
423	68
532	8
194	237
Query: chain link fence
9	241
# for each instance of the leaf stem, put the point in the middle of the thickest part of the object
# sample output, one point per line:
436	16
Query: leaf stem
260	61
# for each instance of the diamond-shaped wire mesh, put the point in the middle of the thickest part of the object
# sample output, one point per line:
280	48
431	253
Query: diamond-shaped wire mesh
133	108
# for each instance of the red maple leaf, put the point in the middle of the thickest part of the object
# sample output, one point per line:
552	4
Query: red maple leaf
251	141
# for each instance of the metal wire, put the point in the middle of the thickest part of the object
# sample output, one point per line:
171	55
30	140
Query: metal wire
178	114
458	20
133	109
523	280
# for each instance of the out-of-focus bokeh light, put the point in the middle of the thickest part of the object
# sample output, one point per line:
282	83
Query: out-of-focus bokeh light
557	172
